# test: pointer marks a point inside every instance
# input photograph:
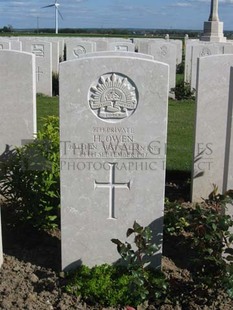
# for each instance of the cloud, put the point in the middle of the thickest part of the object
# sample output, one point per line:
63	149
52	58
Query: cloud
181	4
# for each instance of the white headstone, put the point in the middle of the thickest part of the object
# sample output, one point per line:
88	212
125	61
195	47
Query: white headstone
101	45
18	103
166	53
75	49
119	54
142	45
43	52
179	50
207	49
57	48
5	45
18	98
16	45
121	46
188	59
55	56
228	171
212	108
113	119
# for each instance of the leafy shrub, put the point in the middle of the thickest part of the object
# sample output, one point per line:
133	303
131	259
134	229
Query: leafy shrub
121	285
180	68
206	227
182	91
104	285
137	260
29	177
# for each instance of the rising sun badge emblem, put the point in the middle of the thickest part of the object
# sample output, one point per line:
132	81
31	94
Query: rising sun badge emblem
113	97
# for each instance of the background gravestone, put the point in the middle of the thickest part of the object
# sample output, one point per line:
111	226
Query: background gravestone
228	177
228	171
18	98
16	45
5	45
76	48
113	127
212	125
165	52
141	45
121	46
18	103
179	50
119	54
188	59
208	49
43	52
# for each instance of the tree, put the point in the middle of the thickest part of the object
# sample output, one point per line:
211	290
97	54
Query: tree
8	28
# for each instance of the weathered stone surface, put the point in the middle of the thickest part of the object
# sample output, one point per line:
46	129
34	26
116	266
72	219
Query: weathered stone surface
119	54
188	59
43	52
200	50
228	171
213	28
18	104
113	119
121	46
5	45
18	98
212	126
75	49
195	49
166	53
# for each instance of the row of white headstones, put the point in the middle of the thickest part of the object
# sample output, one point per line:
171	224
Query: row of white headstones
113	133
50	51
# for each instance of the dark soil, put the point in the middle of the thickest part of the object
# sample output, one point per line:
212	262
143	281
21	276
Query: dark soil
30	277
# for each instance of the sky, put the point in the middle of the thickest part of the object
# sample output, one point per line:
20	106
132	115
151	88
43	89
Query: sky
156	14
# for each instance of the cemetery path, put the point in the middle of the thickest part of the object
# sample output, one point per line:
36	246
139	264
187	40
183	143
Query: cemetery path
30	277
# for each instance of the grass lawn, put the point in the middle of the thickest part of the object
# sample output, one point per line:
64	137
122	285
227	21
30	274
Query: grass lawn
179	78
46	106
180	129
181	115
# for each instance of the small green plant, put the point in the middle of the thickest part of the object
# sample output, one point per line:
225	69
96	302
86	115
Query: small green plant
176	218
183	91
148	283
137	258
212	241
180	68
207	230
130	282
29	177
104	285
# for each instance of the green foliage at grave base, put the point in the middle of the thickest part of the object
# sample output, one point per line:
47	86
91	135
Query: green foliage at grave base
208	238
29	177
183	91
114	286
131	283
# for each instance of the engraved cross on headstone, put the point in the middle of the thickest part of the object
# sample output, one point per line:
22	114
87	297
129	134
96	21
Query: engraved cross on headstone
112	185
38	74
